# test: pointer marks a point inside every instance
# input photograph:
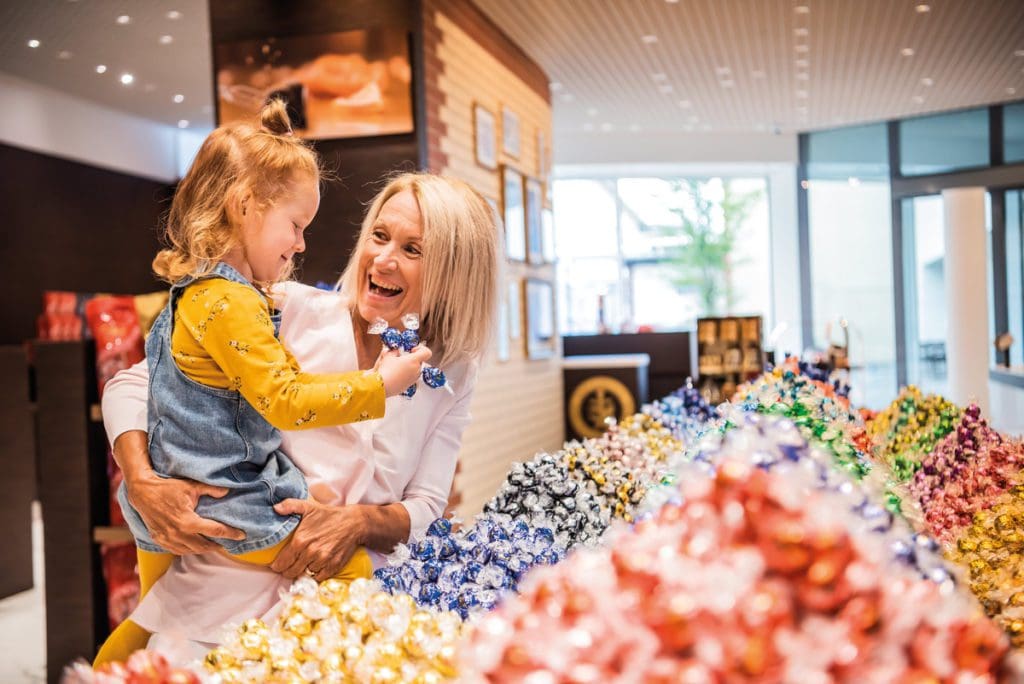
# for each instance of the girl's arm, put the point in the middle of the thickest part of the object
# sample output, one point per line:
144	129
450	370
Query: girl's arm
327	536
167	505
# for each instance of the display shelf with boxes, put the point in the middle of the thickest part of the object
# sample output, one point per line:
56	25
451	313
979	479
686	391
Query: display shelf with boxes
728	351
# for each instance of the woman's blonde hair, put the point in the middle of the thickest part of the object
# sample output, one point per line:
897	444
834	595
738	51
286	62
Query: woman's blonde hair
460	263
236	161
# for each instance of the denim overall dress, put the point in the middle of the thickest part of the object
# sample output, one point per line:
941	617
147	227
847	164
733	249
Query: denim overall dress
214	436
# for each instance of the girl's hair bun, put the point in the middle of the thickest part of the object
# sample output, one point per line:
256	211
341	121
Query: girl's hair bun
274	118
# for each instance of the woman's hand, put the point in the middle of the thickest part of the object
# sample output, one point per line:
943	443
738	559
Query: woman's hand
168	507
324	541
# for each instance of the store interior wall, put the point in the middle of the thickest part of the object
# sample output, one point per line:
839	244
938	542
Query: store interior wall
470	61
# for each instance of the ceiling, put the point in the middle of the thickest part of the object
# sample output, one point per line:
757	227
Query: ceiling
765	65
615	65
76	36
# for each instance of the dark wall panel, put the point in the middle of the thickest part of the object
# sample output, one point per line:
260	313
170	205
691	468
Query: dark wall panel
70	226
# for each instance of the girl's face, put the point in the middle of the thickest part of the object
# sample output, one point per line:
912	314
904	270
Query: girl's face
391	262
271	237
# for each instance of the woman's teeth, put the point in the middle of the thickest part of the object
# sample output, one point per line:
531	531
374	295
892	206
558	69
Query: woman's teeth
383	289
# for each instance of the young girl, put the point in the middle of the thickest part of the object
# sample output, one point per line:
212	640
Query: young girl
221	383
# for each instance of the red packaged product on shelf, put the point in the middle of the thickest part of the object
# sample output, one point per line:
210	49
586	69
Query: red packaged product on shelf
115	327
121	574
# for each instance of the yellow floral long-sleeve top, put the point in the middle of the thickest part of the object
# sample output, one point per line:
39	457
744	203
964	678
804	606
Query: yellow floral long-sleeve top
223	337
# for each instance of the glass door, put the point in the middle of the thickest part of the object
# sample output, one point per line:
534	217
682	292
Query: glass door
924	254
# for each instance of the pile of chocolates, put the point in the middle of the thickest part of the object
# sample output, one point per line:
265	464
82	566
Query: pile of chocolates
470	570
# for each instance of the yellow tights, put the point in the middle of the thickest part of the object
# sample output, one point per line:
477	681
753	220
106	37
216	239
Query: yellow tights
129	637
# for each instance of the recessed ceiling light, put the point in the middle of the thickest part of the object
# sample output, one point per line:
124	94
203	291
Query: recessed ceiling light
729	83
173	15
33	43
802	9
801	93
634	128
693	119
591	112
178	98
802	31
183	123
1011	91
685	104
758	73
127	79
802	76
658	76
927	82
166	39
921	9
671	2
64	54
124	20
801	48
802	63
607	127
723	70
101	68
568	97
917	99
555	86
907	52
1018	53
666	89
649	39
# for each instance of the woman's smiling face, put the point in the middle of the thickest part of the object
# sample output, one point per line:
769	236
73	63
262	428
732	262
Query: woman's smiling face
391	261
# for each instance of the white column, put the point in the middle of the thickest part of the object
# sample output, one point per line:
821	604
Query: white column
966	267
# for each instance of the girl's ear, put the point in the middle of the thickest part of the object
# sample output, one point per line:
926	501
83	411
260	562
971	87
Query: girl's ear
239	203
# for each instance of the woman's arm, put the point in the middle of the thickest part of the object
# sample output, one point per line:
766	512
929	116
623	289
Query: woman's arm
166	505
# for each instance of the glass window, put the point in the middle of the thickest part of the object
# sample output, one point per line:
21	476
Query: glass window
657	253
850	226
1015	272
944	142
1013	132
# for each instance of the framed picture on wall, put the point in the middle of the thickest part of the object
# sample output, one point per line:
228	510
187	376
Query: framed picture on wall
336	85
485	137
541	339
510	132
515	309
513	213
534	193
547	226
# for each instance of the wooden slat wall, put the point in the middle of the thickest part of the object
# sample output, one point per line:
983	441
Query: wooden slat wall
518	406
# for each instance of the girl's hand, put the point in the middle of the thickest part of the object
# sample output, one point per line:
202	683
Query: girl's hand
323	542
401	370
168	507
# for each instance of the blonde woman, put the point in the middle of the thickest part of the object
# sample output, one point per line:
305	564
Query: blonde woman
428	245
